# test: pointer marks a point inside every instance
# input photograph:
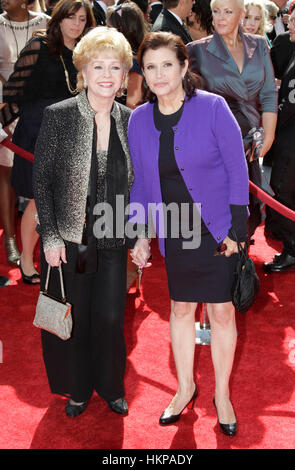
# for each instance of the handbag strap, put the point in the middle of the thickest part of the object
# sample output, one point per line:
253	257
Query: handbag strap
63	296
243	252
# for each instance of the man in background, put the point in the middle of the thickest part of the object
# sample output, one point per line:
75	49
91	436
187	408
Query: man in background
172	18
156	8
99	8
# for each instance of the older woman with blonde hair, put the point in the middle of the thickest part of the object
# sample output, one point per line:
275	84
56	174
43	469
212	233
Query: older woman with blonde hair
82	162
238	67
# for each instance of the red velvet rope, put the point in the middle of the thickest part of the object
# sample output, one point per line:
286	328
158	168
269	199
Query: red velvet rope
16	149
271	202
255	190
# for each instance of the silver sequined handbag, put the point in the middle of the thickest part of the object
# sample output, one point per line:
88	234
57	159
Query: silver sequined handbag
52	314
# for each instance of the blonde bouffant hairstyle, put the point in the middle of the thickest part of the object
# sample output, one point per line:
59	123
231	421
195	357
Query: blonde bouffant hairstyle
102	39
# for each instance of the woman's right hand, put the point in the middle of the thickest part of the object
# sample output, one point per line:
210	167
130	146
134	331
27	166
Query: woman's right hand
54	256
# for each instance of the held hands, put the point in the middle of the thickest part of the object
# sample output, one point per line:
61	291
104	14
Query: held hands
141	253
54	256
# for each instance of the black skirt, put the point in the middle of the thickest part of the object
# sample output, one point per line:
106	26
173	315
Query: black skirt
194	275
199	276
25	136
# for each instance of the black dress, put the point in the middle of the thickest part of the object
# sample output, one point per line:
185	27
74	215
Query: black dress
38	81
194	275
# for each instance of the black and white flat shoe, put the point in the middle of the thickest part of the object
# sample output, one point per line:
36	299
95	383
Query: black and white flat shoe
73	410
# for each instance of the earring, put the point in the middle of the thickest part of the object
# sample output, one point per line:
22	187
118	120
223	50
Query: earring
24	6
121	91
242	22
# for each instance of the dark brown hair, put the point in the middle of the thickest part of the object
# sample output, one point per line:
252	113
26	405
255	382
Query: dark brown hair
64	9
173	42
203	13
129	20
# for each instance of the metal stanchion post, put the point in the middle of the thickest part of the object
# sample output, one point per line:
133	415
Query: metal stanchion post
203	332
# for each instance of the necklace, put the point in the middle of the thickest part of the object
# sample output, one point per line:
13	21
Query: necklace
72	90
101	128
14	35
102	139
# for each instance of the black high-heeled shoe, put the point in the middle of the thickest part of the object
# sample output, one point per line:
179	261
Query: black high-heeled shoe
4	281
227	429
119	406
165	420
28	279
73	410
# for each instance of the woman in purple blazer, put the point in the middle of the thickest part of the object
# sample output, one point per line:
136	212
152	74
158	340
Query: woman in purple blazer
187	153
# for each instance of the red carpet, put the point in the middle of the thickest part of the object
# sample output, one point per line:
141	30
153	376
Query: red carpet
262	380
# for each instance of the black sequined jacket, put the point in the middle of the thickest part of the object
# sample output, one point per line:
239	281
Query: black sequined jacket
62	166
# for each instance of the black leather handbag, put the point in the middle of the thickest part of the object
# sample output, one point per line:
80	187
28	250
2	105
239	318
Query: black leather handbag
246	283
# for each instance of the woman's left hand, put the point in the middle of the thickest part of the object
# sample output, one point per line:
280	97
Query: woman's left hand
265	148
269	123
141	253
232	246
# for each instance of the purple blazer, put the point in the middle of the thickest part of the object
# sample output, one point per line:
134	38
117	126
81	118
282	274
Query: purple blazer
209	153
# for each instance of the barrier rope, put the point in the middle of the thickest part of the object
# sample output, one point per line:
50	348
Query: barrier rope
271	202
255	190
16	149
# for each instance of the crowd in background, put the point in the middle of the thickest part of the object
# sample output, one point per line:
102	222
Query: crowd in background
134	19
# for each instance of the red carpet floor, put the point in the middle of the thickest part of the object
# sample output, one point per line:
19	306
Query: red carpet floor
262	381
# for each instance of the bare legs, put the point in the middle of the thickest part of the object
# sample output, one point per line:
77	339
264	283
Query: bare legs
223	344
7	215
29	236
182	333
7	198
29	239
